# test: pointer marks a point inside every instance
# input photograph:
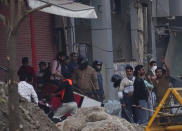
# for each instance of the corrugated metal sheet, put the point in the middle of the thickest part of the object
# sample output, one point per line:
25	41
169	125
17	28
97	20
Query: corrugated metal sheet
44	36
43	40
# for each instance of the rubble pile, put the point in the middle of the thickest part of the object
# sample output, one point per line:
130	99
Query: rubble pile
31	117
113	107
96	119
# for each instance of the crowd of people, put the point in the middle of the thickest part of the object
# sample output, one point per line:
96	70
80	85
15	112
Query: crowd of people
137	91
66	73
140	92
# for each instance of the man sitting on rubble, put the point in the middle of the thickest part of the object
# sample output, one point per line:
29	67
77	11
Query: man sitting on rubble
26	90
65	93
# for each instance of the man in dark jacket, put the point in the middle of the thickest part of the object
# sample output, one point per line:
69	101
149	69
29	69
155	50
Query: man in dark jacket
73	62
97	65
140	95
68	101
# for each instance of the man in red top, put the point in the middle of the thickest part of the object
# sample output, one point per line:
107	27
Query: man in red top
25	70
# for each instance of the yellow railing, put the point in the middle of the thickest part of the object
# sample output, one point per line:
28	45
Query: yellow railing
151	127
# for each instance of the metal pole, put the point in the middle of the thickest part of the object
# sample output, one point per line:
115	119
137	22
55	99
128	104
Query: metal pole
102	43
72	33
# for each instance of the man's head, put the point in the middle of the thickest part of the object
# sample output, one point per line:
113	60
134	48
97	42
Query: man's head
139	71
129	71
153	65
74	56
42	66
159	72
66	60
97	65
116	79
25	61
60	56
26	77
83	63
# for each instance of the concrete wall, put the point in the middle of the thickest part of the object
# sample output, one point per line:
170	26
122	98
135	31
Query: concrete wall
102	42
174	54
121	34
175	7
160	8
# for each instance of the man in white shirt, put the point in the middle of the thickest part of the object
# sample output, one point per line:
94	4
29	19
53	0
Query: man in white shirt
26	90
127	88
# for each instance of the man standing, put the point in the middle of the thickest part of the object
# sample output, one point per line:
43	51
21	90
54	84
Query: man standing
150	78
85	77
140	95
40	76
73	62
25	70
161	83
127	88
97	65
150	75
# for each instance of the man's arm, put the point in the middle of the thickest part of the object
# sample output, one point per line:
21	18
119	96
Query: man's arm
54	69
167	69
34	95
74	77
95	80
121	88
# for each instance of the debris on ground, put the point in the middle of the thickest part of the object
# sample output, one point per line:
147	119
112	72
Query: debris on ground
113	107
96	119
86	119
31	117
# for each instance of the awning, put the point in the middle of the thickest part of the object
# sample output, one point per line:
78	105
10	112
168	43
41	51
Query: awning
65	8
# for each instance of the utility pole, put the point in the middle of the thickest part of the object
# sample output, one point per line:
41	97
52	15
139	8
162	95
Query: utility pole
102	43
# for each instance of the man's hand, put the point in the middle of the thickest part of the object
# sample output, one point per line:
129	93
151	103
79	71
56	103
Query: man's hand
130	93
123	105
163	60
153	77
137	106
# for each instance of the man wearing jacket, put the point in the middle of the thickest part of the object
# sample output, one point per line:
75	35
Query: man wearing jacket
85	78
127	88
140	95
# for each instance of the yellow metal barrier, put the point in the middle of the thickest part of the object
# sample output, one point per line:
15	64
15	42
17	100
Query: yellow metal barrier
153	127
